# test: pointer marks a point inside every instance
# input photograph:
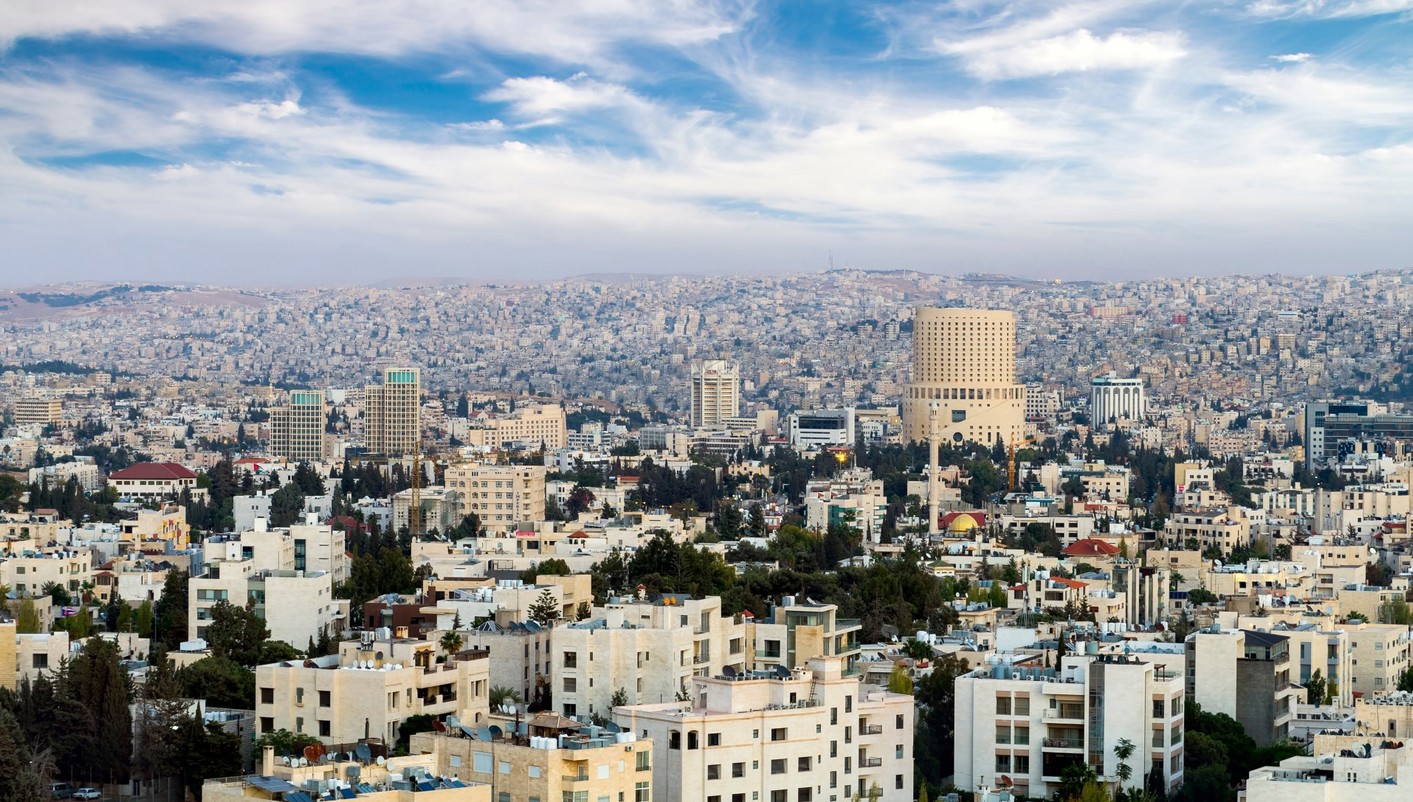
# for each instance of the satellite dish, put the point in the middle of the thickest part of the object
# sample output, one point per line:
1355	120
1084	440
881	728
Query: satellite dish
483	733
611	727
391	768
381	761
1005	781
363	752
303	762
286	760
729	671
533	626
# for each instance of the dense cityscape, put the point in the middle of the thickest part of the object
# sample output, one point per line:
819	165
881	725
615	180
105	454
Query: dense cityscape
813	537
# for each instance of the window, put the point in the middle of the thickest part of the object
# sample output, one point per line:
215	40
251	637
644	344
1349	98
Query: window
780	795
299	697
1003	734
575	796
898	781
267	724
1020	735
713	739
738	769
571	659
1003	705
778	734
777	766
833	779
804	764
898	751
1022	706
325	699
267	696
898	722
41	661
325	730
644	761
1003	764
802	795
1020	764
848	704
1158	708
714	771
640	792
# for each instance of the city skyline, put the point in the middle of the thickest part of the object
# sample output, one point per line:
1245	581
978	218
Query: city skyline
284	145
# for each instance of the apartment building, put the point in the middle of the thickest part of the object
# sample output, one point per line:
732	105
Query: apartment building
554	760
648	649
503	496
295	605
156	531
1340	768
1379	654
1246	675
538	427
813	734
1221	529
1030	724
716	392
797	631
520	655
1388	715
392	422
369	688
28	572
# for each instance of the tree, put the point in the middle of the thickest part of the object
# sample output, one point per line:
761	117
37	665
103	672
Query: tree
308	480
451	642
936	712
285	742
286	505
1123	750
1315	688
1405	680
27	617
545	609
26	773
169	613
755	521
236	633
619	698
220	681
900	681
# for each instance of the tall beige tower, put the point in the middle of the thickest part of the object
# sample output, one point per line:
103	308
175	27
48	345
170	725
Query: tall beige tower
716	392
965	360
297	429
392	412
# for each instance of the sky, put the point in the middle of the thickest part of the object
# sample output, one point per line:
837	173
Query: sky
292	142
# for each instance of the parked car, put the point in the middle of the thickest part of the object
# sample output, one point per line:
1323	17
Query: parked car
61	790
88	793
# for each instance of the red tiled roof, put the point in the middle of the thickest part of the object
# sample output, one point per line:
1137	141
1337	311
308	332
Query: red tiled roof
163	471
1090	547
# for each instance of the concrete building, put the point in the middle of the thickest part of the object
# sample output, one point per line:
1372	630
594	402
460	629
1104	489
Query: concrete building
9	657
38	411
83	470
1113	399
538	427
798	631
648	649
520	654
1246	675
297	429
1387	715
27	572
810	735
295	605
392	412
154	481
965	361
716	392
811	429
1341	768
369	688
1380	653
554	760
1030	724
501	495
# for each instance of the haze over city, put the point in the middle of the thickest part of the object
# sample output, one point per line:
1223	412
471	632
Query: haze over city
290	143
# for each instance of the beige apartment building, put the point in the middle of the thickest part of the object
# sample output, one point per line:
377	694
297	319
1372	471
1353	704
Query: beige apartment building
796	632
648	649
964	360
408	778
716	392
1029	724
530	427
809	735
1247	675
501	495
9	659
1222	529
295	605
369	688
28	572
392	422
555	760
41	411
1380	653
297	428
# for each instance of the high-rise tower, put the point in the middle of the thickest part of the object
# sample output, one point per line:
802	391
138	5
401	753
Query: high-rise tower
965	360
716	392
1112	398
392	412
297	429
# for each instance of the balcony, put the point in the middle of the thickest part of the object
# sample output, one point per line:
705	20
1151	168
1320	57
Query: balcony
1063	743
870	729
1065	713
870	762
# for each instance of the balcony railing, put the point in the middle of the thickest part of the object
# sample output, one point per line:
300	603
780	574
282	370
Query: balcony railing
1064	743
871	729
870	762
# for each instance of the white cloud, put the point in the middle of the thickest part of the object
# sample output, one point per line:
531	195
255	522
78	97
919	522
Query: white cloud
543	97
1292	58
1328	9
1078	51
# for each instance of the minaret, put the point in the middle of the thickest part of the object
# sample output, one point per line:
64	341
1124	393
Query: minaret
934	482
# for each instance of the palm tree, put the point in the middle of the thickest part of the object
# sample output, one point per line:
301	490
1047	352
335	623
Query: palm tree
451	642
501	696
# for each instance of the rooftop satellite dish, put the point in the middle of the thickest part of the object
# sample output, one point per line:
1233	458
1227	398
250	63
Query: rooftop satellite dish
533	626
363	752
729	671
484	733
286	760
495	732
611	727
303	762
381	761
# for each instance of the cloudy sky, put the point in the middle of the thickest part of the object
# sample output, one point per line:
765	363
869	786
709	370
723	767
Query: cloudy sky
293	141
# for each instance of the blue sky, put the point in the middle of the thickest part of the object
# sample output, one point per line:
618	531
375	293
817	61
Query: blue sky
283	141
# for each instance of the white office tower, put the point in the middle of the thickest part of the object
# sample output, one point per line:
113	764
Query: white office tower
964	360
1112	398
297	429
716	392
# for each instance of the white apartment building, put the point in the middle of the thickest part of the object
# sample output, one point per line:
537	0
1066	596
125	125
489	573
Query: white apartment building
501	495
797	631
1246	675
308	547
297	428
369	688
154	481
537	427
392	422
1029	724
1380	653
716	392
809	735
1342	768
295	605
28	572
649	649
